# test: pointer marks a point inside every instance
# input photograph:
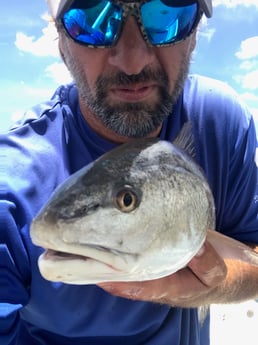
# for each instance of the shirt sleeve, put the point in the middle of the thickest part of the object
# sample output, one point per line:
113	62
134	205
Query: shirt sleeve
239	206
30	169
14	276
226	141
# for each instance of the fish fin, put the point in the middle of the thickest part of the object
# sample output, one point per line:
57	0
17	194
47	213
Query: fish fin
185	139
203	312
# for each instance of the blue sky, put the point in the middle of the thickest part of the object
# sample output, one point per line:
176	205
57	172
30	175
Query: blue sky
31	69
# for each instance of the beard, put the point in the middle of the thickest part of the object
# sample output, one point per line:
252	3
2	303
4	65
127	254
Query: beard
128	119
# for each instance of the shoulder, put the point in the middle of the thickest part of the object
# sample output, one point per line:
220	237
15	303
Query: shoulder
34	150
42	125
64	97
40	130
226	144
208	87
211	94
216	109
223	124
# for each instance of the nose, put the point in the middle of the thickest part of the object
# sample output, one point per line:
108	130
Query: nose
131	53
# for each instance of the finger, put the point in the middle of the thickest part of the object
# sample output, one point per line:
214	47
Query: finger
130	290
208	266
229	248
177	289
205	271
162	290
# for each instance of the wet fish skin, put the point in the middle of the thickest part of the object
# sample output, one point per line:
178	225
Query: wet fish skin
139	212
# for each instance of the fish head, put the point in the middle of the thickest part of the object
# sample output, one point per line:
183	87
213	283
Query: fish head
139	212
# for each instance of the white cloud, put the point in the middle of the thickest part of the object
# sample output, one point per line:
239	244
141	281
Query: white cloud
248	54
255	112
248	48
250	81
249	65
58	73
205	31
43	46
25	95
250	97
46	45
234	3
16	116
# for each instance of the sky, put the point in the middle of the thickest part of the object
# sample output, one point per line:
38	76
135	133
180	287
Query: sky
227	50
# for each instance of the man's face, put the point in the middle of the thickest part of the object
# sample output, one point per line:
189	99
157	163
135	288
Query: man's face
129	89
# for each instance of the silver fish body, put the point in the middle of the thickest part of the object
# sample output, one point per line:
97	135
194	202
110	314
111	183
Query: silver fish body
139	212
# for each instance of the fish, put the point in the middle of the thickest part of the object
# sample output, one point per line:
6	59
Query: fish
139	212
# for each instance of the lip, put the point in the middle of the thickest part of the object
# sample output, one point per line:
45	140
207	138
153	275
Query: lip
133	93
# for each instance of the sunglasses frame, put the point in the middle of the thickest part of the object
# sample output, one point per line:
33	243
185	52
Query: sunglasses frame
129	8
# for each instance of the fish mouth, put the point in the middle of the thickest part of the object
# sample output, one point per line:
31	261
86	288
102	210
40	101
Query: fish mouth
88	264
78	263
91	253
51	254
58	257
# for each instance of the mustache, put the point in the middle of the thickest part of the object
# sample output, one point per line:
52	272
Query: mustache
122	79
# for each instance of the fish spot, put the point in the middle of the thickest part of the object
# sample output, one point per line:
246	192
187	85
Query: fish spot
120	243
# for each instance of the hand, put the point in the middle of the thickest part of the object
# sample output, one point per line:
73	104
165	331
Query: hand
188	287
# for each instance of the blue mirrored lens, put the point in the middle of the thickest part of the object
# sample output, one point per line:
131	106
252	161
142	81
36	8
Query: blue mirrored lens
98	25
166	24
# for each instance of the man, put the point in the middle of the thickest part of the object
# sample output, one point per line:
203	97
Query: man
136	85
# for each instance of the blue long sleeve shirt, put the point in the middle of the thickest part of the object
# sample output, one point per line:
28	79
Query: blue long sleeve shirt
52	142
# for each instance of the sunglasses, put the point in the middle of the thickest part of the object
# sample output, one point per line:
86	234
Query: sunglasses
98	23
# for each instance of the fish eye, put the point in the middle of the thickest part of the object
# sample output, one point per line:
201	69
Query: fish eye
126	200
